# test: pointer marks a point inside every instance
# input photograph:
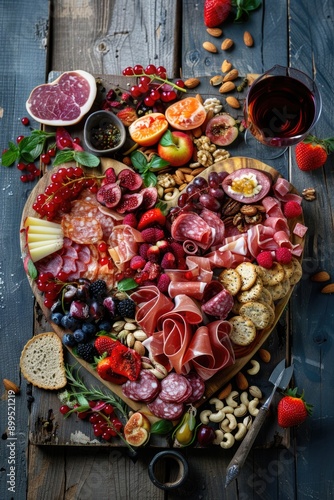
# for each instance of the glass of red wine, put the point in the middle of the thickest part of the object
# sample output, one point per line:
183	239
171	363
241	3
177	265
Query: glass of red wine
281	108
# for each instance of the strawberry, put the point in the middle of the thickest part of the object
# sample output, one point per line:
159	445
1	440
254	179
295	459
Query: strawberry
215	12
106	372
130	220
150	217
105	344
292	409
137	262
312	153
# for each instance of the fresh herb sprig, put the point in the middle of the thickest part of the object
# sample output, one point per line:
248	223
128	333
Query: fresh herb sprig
147	167
28	150
82	157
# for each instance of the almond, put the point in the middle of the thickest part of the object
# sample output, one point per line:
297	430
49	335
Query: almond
227	44
248	39
225	392
264	355
321	276
328	288
241	381
216	32
192	83
199	98
210	47
216	80
226	66
227	87
231	75
233	102
10	386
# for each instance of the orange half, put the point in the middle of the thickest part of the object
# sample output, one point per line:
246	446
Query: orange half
186	114
148	129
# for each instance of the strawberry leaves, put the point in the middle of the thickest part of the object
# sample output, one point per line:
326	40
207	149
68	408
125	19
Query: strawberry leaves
244	8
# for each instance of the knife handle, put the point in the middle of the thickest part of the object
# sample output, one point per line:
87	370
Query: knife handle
247	443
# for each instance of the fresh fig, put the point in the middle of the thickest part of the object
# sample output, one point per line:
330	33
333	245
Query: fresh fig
150	197
247	185
130	180
222	129
109	195
110	176
129	203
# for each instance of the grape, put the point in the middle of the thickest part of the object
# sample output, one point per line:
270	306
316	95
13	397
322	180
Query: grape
200	182
217	193
183	198
193	192
208	201
222	176
213	179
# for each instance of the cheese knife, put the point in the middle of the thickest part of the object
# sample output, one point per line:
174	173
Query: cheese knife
280	378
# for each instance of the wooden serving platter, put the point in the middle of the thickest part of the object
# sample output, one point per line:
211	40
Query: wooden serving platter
221	378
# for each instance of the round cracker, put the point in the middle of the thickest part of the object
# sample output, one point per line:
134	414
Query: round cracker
253	293
288	269
297	271
273	275
243	330
258	312
266	297
276	291
231	280
247	271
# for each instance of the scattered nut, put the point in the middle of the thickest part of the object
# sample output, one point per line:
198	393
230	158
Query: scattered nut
218	416
140	335
139	348
225	392
309	194
217	402
216	32
227	44
241	381
255	392
242	430
204	416
241	410
216	80
219	436
230	400
255	367
248	39
264	355
252	407
321	276
10	386
233	102
227	87
226	66
328	288
192	83
227	441
231	75
210	47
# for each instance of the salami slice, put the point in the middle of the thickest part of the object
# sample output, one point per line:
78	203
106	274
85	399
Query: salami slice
219	305
175	388
145	388
168	411
85	230
51	264
190	226
198	387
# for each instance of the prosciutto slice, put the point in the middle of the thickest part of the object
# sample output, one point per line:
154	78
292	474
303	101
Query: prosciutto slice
123	243
151	304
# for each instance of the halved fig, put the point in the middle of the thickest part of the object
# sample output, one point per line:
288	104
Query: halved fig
110	176
109	195
137	429
247	185
129	203
222	129
150	197
130	180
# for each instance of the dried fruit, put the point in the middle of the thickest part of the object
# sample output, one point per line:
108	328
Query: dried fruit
231	75
10	386
248	39
226	66
210	47
216	80
227	44
321	276
233	102
227	87
328	288
191	83
216	32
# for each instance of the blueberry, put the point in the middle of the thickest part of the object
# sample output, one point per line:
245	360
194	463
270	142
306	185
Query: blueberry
69	340
105	325
70	323
57	317
89	328
81	336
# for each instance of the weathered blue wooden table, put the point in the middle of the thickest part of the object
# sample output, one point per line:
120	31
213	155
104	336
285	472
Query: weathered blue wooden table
104	37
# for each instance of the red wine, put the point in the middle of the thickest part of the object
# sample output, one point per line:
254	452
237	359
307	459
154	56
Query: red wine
280	108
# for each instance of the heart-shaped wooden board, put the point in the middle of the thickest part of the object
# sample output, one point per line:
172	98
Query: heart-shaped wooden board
220	379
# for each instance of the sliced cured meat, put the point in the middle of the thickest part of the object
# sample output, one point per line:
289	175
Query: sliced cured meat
220	305
64	101
216	224
300	230
260	238
50	264
190	226
71	252
198	387
107	223
151	305
175	388
123	243
146	388
81	208
194	289
69	265
84	230
107	274
84	254
92	269
168	411
233	252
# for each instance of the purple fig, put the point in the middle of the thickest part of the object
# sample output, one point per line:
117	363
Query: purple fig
109	195
110	305
130	180
150	197
79	309
129	203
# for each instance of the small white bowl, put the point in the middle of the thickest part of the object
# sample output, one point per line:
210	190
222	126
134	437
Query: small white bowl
103	120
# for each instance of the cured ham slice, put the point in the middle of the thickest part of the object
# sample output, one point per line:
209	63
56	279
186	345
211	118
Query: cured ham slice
216	224
123	243
151	305
190	226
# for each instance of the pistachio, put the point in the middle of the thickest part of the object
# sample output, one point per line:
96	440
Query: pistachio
210	47
139	335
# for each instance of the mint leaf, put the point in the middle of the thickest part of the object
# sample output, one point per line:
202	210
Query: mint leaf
161	427
86	159
167	139
126	285
10	156
149	179
157	163
32	271
139	161
63	156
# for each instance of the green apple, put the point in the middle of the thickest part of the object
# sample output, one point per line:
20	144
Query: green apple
176	148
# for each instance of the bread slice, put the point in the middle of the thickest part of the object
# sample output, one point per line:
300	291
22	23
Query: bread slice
42	361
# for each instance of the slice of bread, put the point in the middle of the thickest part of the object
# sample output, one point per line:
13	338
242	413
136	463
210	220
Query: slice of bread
42	361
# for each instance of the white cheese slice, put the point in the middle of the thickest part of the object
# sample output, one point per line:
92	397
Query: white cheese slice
37	244
31	237
56	231
42	251
35	221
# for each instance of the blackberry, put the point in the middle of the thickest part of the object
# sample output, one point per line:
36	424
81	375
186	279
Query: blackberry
97	288
86	352
127	308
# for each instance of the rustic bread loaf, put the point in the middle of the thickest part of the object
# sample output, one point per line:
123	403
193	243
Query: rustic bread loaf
42	361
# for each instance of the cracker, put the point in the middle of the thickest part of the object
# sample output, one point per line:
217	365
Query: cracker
276	291
273	275
297	271
236	307
258	312
231	280
265	297
288	269
243	330
253	293
247	271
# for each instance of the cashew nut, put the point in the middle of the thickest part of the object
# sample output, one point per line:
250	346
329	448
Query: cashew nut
255	392
230	400
217	417
242	430
224	425
232	421
244	398
217	402
228	441
219	437
204	416
247	421
252	407
241	410
255	367
228	409
172	195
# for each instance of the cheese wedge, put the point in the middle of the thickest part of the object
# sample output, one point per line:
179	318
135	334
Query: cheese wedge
40	252
40	244
35	221
31	237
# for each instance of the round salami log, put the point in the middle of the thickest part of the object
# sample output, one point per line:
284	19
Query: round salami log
145	388
175	388
198	387
167	411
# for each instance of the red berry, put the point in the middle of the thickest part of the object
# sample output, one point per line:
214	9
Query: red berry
24	178
45	158
163	283
65	142
19	138
292	209
283	255
25	121
102	246
52	152
137	262
265	259
21	166
64	409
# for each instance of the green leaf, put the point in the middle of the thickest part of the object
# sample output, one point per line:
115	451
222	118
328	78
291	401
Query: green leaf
32	154
86	159
63	156
149	179
157	163
82	401
127	284
161	427
32	271
139	161
167	139
10	156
